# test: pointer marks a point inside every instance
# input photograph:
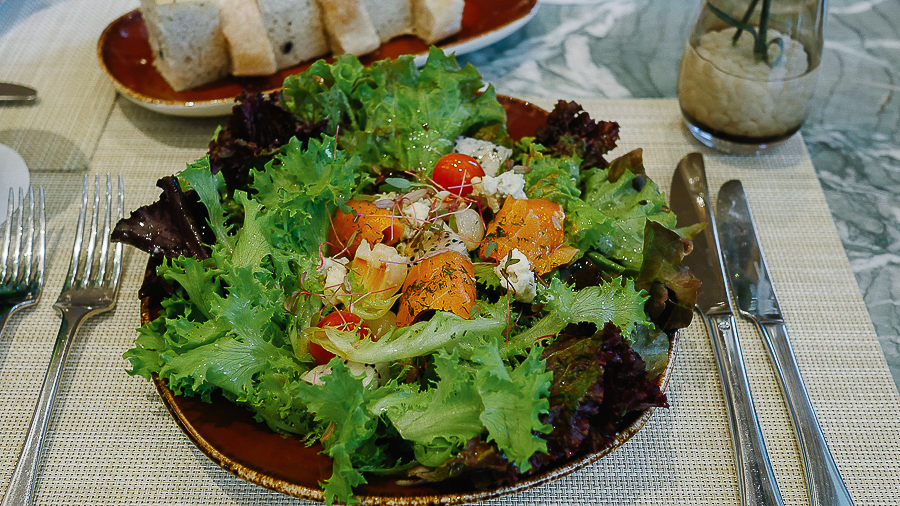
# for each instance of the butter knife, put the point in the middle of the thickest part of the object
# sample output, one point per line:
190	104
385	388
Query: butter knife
756	300
689	199
16	93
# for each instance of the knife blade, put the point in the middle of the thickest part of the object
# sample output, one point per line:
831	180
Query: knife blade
755	294
15	92
689	199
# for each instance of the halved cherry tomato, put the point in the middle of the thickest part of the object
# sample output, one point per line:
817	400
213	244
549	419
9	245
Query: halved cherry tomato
454	173
535	228
444	282
342	320
368	222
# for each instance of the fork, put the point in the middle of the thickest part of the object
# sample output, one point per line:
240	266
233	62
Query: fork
90	288
22	256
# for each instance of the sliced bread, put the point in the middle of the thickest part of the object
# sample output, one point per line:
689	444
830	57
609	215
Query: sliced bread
349	27
248	44
437	19
294	29
188	46
392	18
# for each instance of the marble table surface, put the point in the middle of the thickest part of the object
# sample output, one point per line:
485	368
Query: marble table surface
631	49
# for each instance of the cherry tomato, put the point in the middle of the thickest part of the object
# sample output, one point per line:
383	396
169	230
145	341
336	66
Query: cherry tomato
342	320
454	173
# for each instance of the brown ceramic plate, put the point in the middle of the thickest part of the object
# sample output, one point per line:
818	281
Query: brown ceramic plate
228	435
124	53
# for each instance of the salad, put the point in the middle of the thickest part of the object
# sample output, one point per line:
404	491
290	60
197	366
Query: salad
369	261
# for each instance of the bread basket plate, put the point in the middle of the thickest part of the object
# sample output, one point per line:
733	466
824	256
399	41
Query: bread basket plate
230	437
125	55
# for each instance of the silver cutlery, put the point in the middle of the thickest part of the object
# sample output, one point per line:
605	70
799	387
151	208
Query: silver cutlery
16	93
22	256
756	300
689	199
91	287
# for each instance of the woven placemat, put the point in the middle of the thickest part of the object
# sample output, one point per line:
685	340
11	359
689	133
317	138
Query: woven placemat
112	442
52	47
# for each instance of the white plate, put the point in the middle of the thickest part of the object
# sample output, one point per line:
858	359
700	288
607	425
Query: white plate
13	174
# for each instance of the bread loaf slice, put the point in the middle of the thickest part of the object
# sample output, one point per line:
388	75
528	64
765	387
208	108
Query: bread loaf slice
348	27
188	46
295	31
248	44
392	18
437	19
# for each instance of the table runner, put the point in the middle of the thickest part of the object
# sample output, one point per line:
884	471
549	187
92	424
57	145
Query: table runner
112	442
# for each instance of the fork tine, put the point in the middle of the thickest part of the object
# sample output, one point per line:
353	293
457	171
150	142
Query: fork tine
104	246
92	238
4	255
42	240
117	256
79	235
28	252
17	249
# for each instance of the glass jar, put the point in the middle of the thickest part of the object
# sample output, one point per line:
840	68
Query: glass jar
748	72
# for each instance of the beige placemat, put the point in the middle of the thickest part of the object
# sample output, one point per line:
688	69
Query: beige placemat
111	441
52	47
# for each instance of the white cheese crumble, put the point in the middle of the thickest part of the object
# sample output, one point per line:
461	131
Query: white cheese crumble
333	274
496	189
417	212
491	156
517	277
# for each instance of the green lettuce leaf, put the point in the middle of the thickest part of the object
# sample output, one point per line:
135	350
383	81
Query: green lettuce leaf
392	114
514	400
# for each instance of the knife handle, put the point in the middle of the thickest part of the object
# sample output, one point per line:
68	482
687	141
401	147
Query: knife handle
756	480
826	488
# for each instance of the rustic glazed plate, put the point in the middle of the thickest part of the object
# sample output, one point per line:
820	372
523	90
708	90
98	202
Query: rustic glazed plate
228	434
124	53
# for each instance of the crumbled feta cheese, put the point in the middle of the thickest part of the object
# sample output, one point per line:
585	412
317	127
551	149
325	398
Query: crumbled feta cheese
517	276
447	240
371	374
496	189
488	154
418	211
333	274
442	195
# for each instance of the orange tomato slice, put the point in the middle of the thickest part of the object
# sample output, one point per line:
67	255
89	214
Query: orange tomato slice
444	282
368	222
535	228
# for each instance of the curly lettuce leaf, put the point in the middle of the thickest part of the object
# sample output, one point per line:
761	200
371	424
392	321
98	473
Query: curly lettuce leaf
617	301
392	114
302	188
470	398
437	420
342	404
514	401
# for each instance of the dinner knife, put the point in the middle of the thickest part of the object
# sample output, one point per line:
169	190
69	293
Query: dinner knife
689	199
16	93
756	300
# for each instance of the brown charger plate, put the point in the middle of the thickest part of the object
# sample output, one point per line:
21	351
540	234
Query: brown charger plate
228	434
124	53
